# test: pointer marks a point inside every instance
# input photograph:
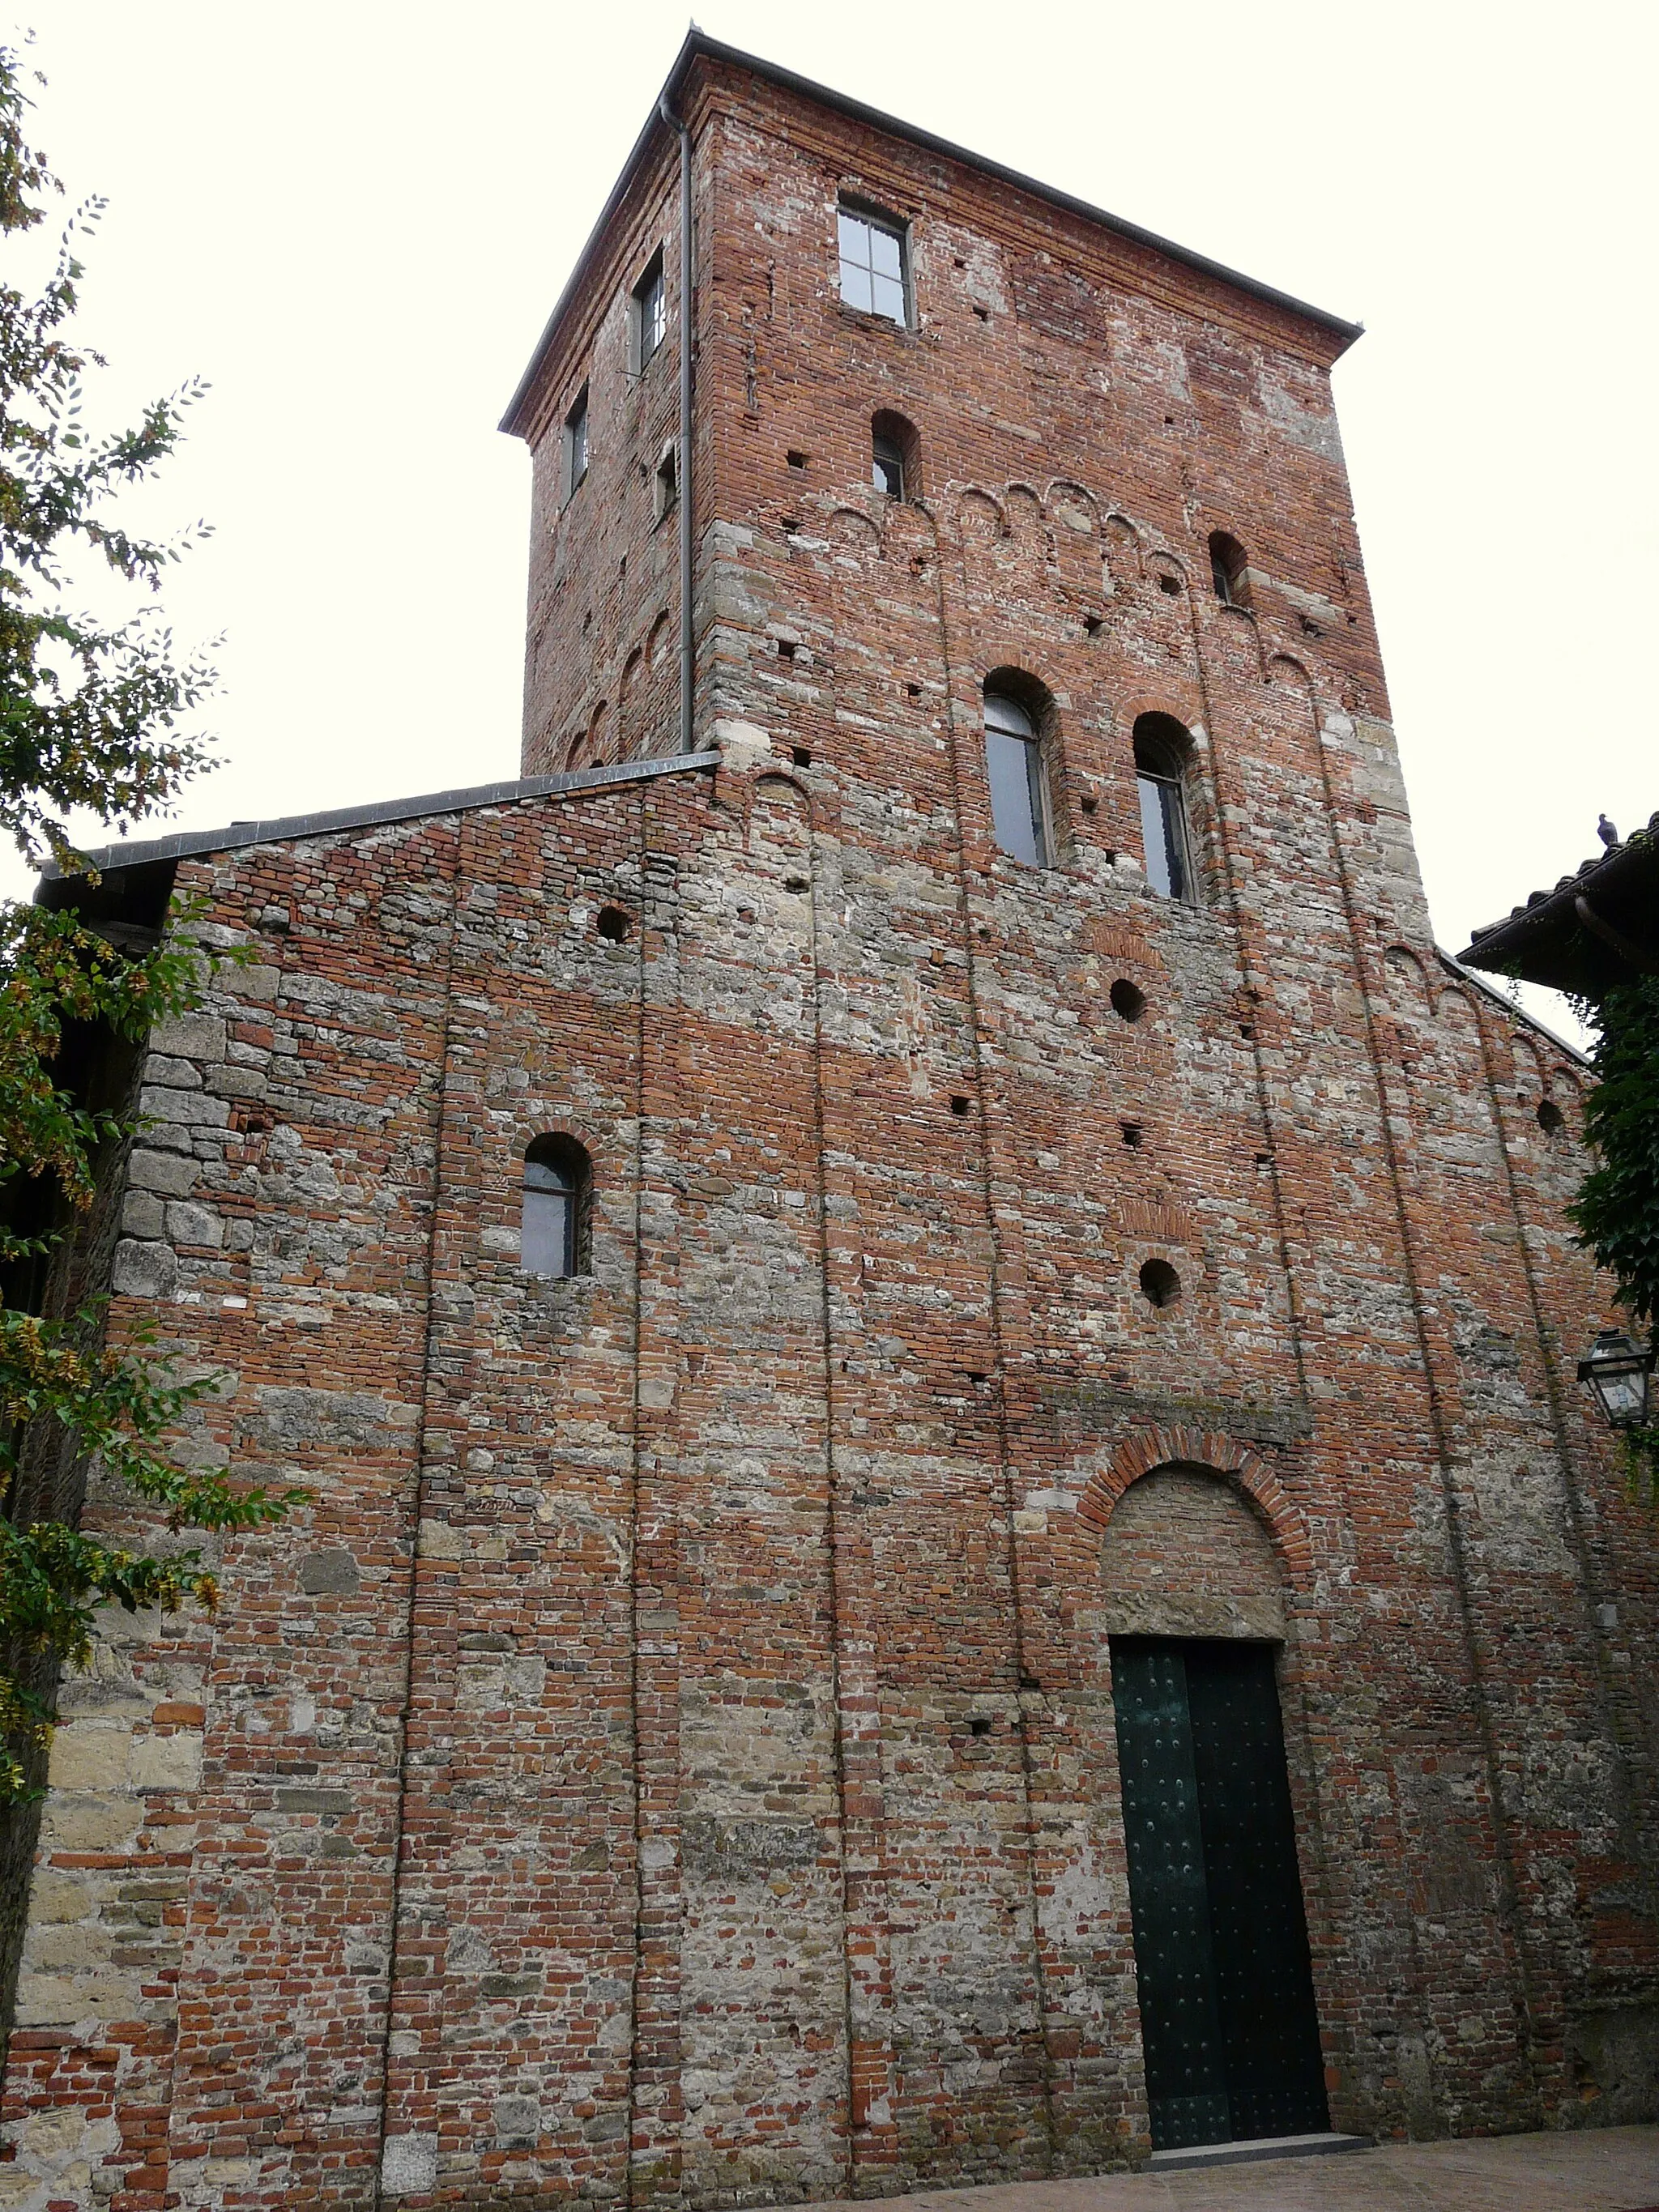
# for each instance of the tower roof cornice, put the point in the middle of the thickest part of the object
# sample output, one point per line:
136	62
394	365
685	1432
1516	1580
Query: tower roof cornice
699	46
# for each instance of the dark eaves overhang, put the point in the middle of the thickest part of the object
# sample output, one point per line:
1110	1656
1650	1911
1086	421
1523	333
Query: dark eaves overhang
698	45
56	888
1595	930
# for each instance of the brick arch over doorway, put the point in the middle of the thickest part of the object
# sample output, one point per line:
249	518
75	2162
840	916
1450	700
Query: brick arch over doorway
1206	1450
1186	1554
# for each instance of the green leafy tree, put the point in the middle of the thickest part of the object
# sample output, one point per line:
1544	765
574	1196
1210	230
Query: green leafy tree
90	720
1616	1211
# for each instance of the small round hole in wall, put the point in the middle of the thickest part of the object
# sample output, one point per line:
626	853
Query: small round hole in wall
613	925
979	1725
1134	1135
1127	1000
958	1104
1091	803
1551	1119
1159	1282
1170	584
801	756
797	883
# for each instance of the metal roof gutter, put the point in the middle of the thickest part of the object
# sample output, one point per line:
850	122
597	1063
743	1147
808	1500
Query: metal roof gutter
698	44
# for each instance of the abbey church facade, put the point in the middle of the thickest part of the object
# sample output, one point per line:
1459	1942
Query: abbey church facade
951	1534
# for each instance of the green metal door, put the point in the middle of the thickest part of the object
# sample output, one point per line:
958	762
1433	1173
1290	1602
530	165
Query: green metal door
1227	2010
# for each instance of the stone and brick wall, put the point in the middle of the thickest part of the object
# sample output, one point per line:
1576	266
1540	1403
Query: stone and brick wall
671	1759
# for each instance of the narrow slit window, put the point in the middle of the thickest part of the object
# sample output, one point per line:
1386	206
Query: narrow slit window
872	271
1013	760
1160	746
575	443
893	455
888	466
1230	571
555	1194
666	487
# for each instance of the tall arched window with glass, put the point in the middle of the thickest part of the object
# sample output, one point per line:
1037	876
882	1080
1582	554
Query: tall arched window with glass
1160	772
554	1188
1013	762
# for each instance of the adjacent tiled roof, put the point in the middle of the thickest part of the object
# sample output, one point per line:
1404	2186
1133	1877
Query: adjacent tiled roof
1598	928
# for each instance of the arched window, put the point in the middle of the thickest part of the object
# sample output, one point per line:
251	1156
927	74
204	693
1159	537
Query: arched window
1014	761
894	455
552	1236
1161	751
1229	569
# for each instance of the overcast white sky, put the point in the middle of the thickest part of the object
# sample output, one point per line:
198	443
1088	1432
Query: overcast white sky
352	218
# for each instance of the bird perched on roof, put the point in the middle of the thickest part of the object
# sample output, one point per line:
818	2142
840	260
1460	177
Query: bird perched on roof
1605	830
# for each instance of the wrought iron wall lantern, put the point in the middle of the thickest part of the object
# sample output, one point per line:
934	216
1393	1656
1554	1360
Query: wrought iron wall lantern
1621	1377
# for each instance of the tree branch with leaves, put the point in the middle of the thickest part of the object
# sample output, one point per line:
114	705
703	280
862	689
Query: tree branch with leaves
94	718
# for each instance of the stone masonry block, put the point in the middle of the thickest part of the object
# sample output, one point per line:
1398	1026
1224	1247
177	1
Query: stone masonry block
144	1270
191	1036
165	1173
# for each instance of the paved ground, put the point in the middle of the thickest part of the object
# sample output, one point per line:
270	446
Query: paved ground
1597	2170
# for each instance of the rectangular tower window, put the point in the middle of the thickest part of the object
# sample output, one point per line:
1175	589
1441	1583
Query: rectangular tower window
650	312
872	271
1163	828
1013	762
887	466
575	443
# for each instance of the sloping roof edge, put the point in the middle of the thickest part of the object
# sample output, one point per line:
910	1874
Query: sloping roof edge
1519	1013
189	844
699	44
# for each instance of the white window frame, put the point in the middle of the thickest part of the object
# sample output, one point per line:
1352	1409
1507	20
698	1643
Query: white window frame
878	223
653	280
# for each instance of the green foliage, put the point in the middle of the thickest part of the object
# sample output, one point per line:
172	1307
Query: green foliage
53	970
90	717
89	713
114	1406
1616	1211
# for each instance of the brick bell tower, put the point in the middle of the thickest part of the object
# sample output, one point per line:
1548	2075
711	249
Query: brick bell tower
951	1536
1029	619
